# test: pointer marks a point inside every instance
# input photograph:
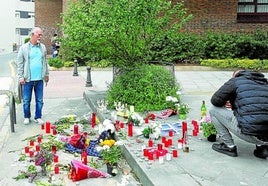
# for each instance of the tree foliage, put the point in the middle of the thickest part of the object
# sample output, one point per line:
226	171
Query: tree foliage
119	31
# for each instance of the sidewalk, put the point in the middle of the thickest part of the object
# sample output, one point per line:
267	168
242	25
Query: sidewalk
65	94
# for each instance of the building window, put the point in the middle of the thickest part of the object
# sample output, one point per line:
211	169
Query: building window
24	31
252	11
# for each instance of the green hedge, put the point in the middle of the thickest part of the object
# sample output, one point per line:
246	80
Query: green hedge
255	64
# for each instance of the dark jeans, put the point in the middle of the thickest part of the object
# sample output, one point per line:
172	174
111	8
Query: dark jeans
28	88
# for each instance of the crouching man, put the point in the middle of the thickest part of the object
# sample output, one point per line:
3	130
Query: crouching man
247	92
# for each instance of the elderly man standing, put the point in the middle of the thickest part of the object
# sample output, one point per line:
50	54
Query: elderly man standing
32	73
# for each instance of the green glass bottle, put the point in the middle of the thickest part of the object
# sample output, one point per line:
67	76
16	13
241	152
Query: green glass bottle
203	109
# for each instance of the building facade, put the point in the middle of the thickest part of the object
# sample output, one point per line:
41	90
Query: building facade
216	15
17	18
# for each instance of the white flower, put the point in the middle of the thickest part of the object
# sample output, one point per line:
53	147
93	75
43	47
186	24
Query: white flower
169	98
178	92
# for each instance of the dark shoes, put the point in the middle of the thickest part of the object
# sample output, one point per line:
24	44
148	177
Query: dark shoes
222	148
261	151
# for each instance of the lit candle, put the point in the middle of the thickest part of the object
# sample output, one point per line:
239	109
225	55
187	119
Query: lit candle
37	148
130	129
146	120
75	129
48	127
150	142
54	149
26	149
170	133
84	157
39	139
56	169
145	152
175	153
31	153
159	146
55	158
31	142
93	120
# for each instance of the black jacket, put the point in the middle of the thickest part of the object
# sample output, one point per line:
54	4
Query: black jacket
248	94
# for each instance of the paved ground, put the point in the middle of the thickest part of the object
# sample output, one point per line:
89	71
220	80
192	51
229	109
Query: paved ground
65	94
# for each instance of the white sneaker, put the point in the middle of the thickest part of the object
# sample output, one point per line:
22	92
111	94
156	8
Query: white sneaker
26	121
39	121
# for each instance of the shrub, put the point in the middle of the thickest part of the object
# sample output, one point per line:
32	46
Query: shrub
146	87
254	64
68	64
55	62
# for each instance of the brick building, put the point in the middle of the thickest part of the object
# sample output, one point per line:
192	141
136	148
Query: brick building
219	15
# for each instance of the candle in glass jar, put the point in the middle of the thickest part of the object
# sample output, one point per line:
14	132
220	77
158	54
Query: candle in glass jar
31	142
130	129
93	120
56	169
39	139
150	143
55	158
84	157
48	127
175	153
54	149
37	148
75	129
26	149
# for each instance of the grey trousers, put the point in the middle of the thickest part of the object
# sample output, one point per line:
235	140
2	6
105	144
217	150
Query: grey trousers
226	123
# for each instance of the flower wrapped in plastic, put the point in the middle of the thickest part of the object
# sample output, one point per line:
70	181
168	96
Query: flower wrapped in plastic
79	171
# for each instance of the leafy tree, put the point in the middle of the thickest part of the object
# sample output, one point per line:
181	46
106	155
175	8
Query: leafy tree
121	31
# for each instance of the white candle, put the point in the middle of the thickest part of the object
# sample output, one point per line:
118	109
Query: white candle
131	108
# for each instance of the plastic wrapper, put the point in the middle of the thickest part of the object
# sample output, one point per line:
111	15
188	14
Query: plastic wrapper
79	171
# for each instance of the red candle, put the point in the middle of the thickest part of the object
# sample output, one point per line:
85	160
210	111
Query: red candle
130	129
150	143
75	129
195	133
55	158
93	120
31	142
39	139
159	146
121	125
54	149
184	128
145	152
163	139
170	133
56	169
150	156
48	127
54	131
84	157
26	149
43	126
169	142
31	153
37	148
146	120
175	153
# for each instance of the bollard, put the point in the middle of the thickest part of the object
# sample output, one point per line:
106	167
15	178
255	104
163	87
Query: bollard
75	68
12	112
88	83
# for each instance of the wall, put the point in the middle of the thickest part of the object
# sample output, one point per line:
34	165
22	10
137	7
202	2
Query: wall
47	16
216	15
